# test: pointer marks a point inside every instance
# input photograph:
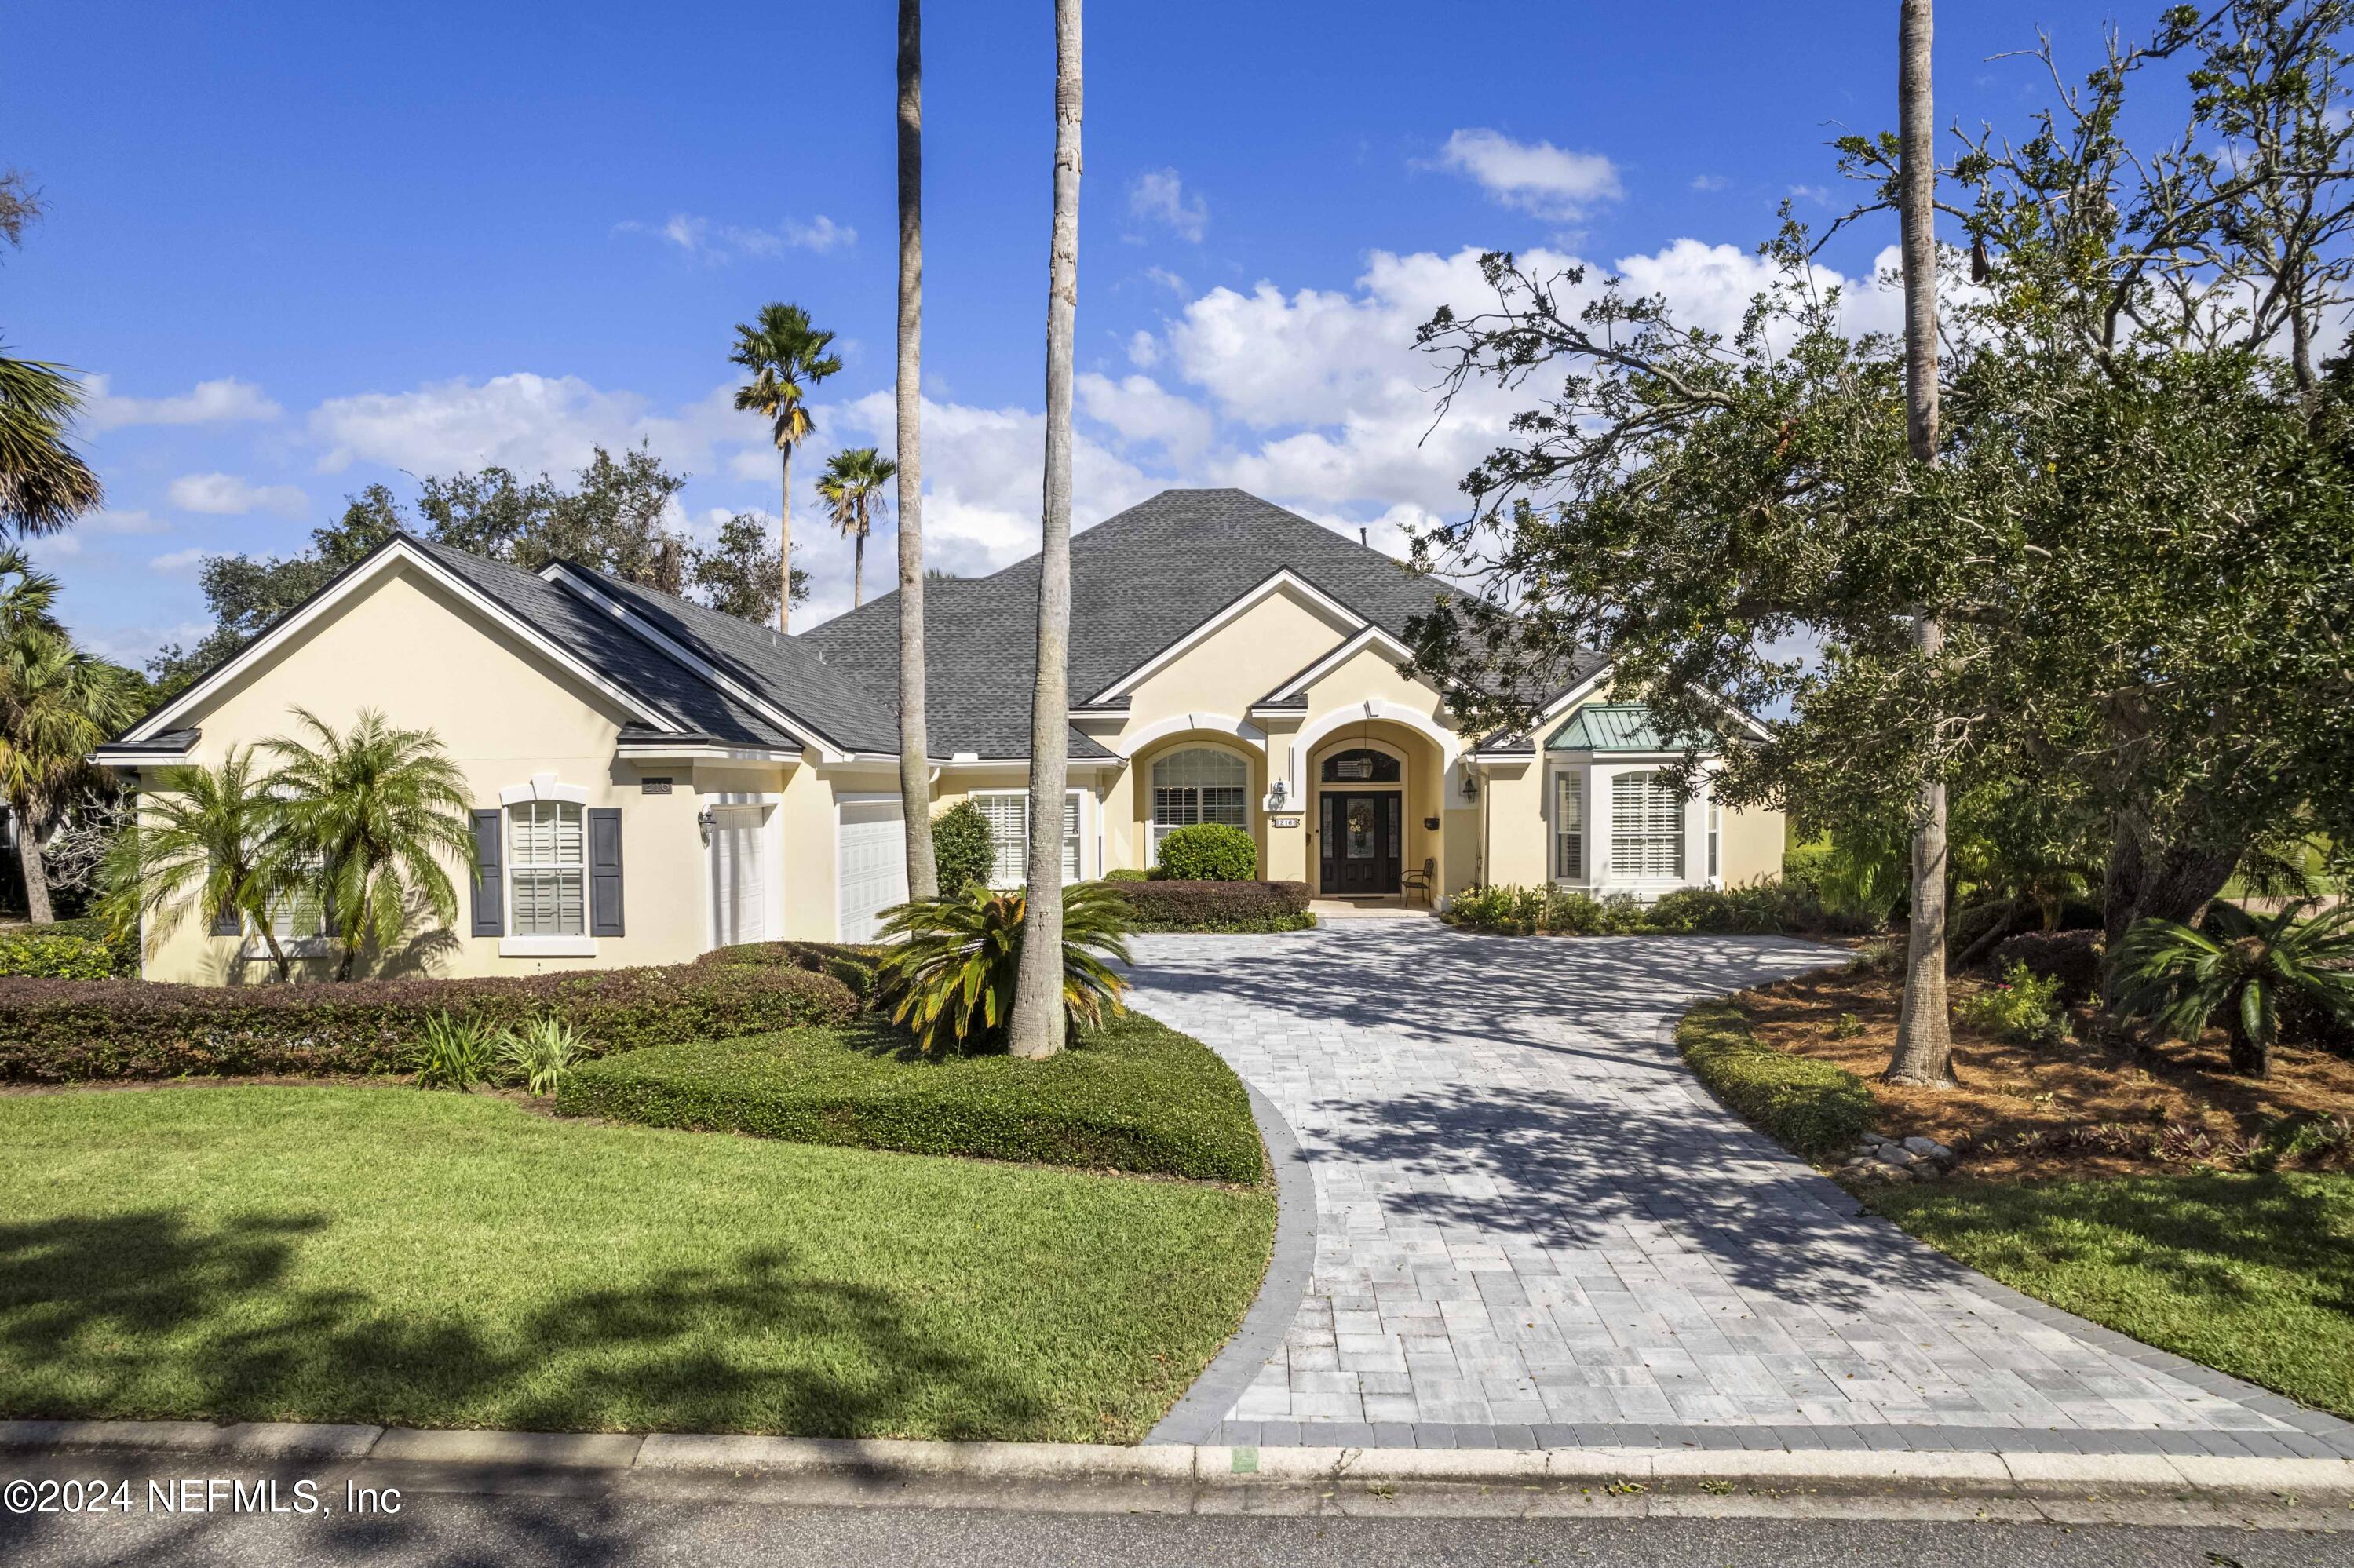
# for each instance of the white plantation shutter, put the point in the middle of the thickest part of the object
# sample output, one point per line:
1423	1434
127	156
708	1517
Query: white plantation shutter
1199	784
1009	838
1569	826
1647	826
547	869
1071	836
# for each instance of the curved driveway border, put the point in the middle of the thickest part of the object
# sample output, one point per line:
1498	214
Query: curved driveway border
1196	1417
1535	1229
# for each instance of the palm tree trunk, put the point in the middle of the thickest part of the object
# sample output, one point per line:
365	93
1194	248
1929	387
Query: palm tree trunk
28	862
858	568
785	540
1924	1040
1038	993
914	777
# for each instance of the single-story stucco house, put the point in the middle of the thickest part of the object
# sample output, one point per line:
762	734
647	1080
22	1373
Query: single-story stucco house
652	778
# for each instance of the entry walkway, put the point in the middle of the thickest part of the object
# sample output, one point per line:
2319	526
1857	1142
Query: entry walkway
1533	1228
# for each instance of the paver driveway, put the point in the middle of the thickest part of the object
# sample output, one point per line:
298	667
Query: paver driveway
1534	1227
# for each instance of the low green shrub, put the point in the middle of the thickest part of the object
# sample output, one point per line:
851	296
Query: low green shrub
1753	908
452	1052
64	1030
539	1055
1209	851
1127	874
1133	1096
2025	1008
1169	905
855	966
961	851
1812	1108
1882	955
38	950
123	946
2072	958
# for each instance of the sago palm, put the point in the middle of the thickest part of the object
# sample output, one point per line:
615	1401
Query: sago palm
852	490
953	973
2238	967
380	809
207	840
787	357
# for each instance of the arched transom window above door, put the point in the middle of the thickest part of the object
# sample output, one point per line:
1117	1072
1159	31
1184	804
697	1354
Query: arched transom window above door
1198	784
1364	766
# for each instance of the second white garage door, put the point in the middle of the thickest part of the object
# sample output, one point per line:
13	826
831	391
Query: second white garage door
870	870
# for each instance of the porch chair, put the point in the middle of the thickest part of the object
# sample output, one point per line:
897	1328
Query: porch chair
1420	881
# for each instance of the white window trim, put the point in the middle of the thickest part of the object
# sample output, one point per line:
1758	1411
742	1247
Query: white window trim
543	787
1069	793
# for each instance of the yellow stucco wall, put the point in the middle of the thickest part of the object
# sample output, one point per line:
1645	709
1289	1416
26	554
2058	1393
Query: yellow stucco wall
401	645
1752	847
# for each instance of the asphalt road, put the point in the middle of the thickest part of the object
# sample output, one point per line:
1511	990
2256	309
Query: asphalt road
512	1532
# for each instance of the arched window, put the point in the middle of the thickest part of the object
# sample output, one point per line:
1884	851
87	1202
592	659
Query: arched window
1364	766
1199	784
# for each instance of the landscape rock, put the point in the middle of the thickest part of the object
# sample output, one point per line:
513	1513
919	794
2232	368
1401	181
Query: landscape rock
1928	1147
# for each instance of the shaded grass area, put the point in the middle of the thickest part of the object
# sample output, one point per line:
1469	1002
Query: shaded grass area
447	1260
1133	1096
2251	1275
1813	1107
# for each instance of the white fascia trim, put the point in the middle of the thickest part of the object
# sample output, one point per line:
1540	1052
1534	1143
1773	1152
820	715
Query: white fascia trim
1332	660
556	572
663	751
135	758
542	787
1283	578
547	947
964	764
400	552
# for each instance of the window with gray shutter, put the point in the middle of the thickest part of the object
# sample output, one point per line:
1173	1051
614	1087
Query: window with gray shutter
605	871
490	885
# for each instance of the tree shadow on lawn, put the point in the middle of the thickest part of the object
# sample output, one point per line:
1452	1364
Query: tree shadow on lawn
146	1314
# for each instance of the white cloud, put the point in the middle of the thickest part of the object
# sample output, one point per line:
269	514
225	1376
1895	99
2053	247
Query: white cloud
531	423
1143	350
1159	196
1535	176
1142	412
209	402
112	521
226	496
1709	182
179	561
706	240
1166	279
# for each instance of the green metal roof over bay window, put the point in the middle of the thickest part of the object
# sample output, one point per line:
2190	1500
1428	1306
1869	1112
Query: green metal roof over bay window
1611	726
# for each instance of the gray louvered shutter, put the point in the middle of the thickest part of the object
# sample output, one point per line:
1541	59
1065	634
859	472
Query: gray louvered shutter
489	885
228	922
605	871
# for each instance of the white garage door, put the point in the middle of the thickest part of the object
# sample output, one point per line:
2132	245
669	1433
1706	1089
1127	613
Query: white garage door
872	869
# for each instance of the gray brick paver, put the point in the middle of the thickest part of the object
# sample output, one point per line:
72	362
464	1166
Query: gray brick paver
1531	1220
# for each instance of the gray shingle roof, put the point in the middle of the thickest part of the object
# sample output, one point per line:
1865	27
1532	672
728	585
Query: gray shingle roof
654	677
1140	582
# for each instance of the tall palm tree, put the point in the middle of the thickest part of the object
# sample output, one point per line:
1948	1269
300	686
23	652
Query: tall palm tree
852	490
57	703
1038	1023
915	777
380	809
215	830
1923	1054
788	357
44	483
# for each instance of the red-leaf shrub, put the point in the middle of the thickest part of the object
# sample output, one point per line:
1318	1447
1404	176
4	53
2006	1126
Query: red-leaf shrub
57	1030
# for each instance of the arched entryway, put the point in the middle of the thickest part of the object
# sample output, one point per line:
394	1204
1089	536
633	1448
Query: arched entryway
1362	825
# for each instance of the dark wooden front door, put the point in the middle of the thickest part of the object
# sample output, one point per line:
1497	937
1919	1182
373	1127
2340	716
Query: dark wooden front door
1360	840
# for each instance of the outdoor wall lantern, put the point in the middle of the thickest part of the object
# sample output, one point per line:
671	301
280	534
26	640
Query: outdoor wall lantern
1278	794
1470	785
702	820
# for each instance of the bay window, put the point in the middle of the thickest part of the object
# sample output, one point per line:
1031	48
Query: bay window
1569	827
1646	827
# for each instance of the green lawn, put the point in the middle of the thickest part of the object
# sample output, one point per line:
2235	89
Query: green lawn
445	1260
2251	1275
1134	1095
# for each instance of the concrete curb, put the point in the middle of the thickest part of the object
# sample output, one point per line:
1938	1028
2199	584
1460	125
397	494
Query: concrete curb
1180	1476
1196	1417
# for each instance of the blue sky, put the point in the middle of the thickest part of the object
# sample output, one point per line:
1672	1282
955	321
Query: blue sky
299	248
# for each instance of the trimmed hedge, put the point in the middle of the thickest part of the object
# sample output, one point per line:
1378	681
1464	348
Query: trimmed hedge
70	1031
1812	1108
1173	906
1209	851
1134	1095
858	968
39	950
